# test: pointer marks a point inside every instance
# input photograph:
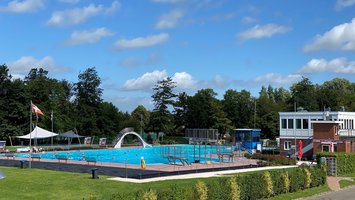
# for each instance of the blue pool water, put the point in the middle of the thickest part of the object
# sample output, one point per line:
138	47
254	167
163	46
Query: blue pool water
152	155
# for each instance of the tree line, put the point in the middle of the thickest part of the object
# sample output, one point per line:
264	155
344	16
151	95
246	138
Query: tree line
79	106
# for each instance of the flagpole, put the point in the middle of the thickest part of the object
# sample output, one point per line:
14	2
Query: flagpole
52	127
30	134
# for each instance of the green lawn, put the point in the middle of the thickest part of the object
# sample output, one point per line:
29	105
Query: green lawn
46	184
346	183
301	194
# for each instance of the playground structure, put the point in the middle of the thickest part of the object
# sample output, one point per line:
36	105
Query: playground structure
123	133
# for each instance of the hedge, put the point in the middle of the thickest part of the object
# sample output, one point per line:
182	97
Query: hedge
345	161
271	160
256	185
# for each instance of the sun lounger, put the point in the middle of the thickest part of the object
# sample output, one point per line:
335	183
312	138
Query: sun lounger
61	157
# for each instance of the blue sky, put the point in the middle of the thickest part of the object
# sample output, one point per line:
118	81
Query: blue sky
219	44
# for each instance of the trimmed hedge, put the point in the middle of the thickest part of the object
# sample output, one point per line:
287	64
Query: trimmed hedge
345	161
272	160
251	186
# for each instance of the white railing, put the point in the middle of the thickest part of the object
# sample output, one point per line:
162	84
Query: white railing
347	133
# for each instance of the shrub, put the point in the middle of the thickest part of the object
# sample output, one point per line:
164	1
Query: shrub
267	181
216	189
307	178
285	182
247	155
150	195
233	188
274	159
201	191
345	162
296	180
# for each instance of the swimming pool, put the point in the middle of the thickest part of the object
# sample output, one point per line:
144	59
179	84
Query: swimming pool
152	155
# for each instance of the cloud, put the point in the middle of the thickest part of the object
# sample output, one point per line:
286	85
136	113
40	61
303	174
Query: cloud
129	103
278	78
141	42
184	81
145	82
169	20
340	37
263	31
23	6
247	20
80	15
134	62
23	65
69	1
337	65
344	3
88	36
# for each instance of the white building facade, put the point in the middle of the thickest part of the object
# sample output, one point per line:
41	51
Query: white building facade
296	126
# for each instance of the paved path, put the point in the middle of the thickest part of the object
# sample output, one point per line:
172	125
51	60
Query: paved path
345	194
333	183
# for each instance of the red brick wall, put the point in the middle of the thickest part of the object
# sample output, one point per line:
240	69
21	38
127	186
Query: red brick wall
325	131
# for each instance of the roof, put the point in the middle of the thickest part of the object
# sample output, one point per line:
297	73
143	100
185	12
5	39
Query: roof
70	134
38	133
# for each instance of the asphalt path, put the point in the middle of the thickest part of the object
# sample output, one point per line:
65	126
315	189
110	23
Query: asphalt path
346	194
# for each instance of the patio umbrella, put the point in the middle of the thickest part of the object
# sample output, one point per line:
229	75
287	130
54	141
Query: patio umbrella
299	154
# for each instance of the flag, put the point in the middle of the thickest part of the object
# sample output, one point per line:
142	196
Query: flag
36	110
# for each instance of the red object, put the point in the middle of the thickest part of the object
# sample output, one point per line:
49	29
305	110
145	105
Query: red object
36	110
331	147
299	154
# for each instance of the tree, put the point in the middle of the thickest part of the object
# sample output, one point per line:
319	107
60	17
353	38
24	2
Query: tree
180	111
142	116
334	93
163	98
304	95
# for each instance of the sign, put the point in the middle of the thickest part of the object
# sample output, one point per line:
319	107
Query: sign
87	140
329	141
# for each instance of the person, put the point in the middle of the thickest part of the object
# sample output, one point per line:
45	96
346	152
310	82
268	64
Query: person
35	149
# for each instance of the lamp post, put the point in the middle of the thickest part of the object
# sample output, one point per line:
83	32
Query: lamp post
141	125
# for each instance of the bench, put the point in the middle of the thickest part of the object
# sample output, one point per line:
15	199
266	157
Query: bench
91	160
61	157
36	156
230	156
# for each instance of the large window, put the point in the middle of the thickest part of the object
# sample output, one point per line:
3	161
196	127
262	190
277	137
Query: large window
287	145
305	123
283	123
290	123
298	123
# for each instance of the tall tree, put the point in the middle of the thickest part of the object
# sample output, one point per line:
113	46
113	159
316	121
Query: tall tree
304	95
180	111
142	116
163	98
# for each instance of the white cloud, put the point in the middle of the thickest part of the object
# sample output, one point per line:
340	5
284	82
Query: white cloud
80	15
184	81
344	3
23	65
88	36
140	42
169	20
337	65
146	81
129	103
23	6
69	1
263	31
134	62
248	20
278	78
339	37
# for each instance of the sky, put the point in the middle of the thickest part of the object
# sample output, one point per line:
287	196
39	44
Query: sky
218	44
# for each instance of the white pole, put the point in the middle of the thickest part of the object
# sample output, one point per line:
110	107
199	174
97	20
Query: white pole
30	134
52	127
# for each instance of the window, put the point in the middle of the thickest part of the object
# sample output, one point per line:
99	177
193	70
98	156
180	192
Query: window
290	123
335	148
283	123
305	123
298	123
287	145
325	148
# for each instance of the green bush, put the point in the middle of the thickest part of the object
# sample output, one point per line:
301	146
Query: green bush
150	195
201	191
272	160
345	162
255	185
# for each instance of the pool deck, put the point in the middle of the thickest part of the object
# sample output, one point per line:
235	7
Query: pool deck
129	170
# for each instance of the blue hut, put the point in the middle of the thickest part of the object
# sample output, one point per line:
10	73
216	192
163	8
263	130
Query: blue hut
247	138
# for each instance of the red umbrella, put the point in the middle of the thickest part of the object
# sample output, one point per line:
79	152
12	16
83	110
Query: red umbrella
299	154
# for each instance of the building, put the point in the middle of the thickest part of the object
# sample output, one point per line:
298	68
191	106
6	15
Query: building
327	138
296	126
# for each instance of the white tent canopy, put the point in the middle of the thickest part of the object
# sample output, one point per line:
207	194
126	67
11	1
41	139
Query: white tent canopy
38	133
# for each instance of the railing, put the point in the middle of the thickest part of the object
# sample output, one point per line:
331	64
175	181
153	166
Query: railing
347	133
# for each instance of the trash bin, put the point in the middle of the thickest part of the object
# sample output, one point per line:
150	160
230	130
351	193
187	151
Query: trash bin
323	161
94	173
23	164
